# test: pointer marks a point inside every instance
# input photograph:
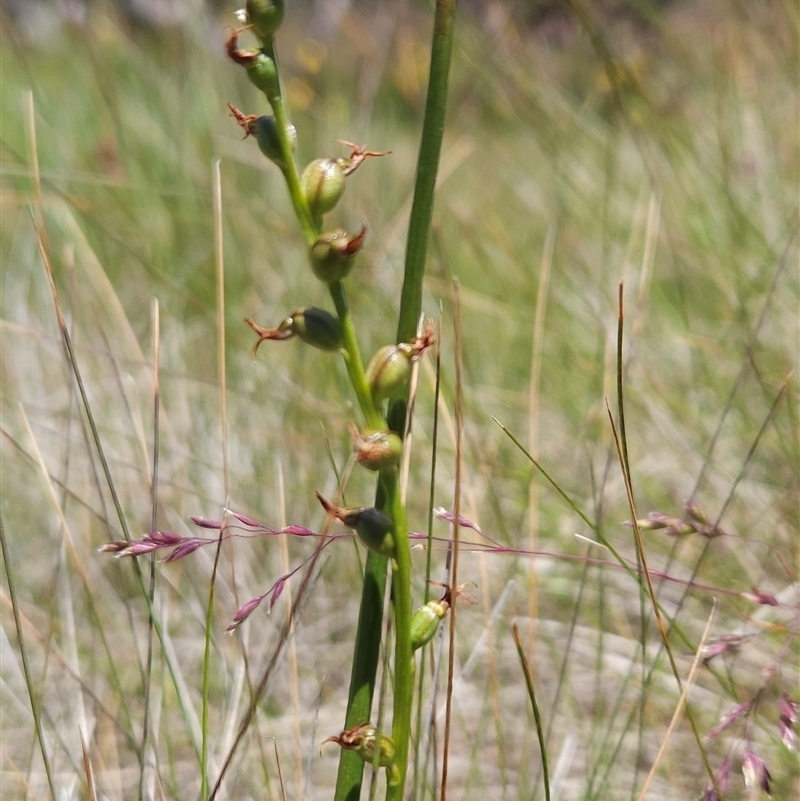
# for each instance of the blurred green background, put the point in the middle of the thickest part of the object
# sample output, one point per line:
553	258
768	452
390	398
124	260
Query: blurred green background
654	144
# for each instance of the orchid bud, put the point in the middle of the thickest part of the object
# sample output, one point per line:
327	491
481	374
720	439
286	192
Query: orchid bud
363	739
376	450
265	16
322	183
333	253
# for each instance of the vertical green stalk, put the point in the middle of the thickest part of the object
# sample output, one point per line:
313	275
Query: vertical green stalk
403	658
410	308
419	226
367	645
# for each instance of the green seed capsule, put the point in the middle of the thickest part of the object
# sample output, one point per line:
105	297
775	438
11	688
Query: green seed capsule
375	530
312	325
389	369
317	327
322	182
265	16
388	372
374	527
332	255
263	74
265	130
377	450
425	621
363	739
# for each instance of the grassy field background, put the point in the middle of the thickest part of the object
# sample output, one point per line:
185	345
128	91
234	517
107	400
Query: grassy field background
669	164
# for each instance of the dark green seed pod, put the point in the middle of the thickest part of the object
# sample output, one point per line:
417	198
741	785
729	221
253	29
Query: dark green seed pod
375	530
425	621
317	327
374	527
332	255
312	325
263	74
265	130
265	16
322	182
377	450
388	372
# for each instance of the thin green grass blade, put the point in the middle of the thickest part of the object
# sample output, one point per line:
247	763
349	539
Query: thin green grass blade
73	363
37	717
523	660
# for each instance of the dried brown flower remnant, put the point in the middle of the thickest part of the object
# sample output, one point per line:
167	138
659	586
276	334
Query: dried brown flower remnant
373	526
310	324
358	155
376	450
247	58
363	739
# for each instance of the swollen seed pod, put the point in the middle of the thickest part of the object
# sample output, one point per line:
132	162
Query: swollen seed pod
265	16
364	740
265	130
322	183
375	530
261	68
333	253
263	74
312	325
317	327
390	368
376	450
374	527
388	372
425	621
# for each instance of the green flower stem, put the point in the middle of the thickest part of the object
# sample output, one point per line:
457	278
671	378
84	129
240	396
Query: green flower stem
430	148
363	672
410	308
403	660
353	360
310	230
367	646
